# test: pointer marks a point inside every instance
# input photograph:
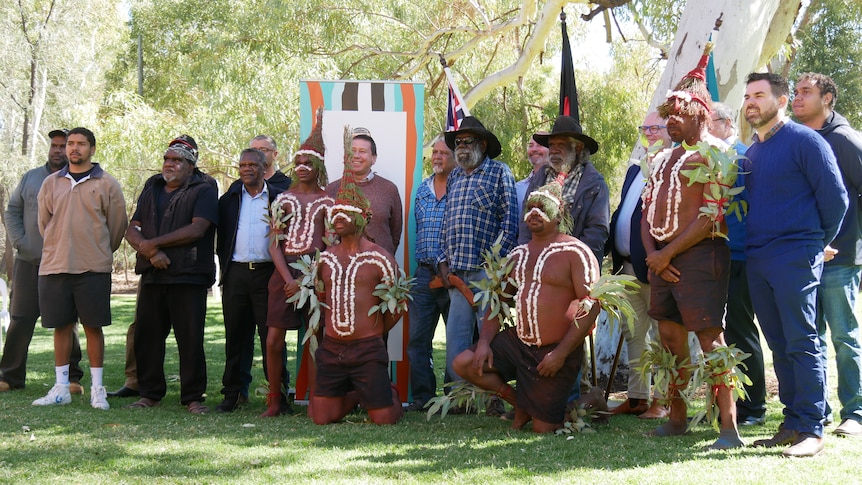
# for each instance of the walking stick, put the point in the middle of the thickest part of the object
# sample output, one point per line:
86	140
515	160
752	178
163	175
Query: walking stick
593	360
614	367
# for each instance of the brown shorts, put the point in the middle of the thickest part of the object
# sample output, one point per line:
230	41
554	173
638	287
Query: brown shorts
543	398
361	365
697	300
281	314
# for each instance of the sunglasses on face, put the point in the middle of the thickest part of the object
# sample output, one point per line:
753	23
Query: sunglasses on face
466	141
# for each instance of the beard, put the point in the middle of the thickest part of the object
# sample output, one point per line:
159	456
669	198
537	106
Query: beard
469	157
762	117
558	162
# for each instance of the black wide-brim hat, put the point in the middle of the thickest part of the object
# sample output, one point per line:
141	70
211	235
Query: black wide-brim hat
474	126
568	126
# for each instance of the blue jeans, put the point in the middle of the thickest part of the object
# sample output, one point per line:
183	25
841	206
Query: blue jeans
425	310
783	290
836	303
464	321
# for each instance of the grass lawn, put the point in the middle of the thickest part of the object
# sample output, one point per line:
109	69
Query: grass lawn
78	444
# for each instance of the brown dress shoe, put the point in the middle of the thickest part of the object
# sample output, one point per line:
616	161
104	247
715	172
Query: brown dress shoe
849	427
806	444
783	437
76	388
655	411
631	406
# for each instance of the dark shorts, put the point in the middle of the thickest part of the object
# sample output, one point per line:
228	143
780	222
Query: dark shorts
543	398
361	365
64	298
697	300
279	313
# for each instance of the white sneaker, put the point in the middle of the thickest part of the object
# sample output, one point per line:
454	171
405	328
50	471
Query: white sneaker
99	397
59	394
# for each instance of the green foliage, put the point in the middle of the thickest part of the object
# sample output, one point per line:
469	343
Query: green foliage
309	287
614	104
718	173
496	291
831	45
54	52
463	395
719	368
612	292
277	220
659	16
394	293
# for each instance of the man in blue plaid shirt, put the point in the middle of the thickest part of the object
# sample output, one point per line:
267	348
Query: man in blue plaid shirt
428	303
482	206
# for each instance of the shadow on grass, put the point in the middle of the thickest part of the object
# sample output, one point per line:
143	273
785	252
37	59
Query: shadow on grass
167	443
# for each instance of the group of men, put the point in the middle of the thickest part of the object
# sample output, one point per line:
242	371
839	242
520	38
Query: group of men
799	272
692	278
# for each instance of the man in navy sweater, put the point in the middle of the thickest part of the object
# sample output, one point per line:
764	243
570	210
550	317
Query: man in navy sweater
796	203
813	102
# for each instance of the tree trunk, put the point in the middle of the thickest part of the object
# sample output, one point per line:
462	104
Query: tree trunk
751	33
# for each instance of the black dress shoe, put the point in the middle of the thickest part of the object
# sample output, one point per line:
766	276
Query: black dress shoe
124	392
231	403
750	421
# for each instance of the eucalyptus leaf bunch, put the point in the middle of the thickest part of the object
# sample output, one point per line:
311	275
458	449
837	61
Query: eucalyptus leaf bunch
498	289
394	293
277	220
720	368
611	291
310	287
669	373
718	173
461	394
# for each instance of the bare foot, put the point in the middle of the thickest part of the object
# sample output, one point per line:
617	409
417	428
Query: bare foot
521	418
271	412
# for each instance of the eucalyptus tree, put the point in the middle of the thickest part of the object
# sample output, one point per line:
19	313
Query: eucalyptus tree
831	43
51	71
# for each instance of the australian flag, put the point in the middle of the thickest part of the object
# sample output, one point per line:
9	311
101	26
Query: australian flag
457	109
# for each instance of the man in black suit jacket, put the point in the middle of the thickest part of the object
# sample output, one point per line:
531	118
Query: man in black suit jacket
242	246
629	257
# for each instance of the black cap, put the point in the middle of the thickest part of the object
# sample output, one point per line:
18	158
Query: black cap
58	132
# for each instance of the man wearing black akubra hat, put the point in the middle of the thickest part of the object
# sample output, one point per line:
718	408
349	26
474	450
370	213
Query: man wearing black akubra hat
173	231
23	229
482	206
584	188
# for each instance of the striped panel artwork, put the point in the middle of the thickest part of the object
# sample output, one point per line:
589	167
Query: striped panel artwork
393	113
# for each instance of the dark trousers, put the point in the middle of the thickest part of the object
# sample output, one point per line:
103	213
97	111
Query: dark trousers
24	311
162	308
244	303
740	329
784	292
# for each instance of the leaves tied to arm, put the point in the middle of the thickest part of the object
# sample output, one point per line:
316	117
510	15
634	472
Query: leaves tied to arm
309	287
718	173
